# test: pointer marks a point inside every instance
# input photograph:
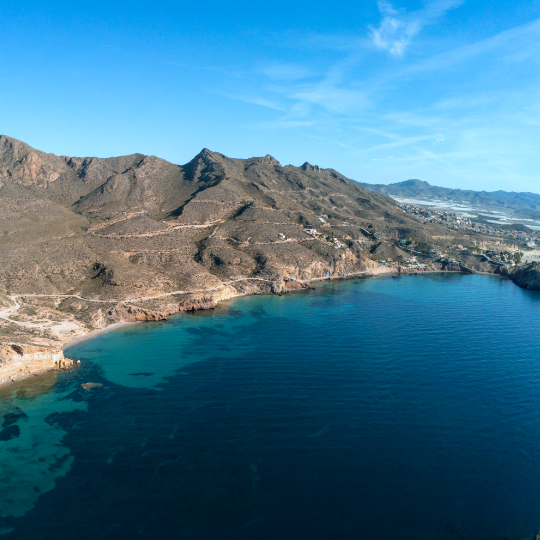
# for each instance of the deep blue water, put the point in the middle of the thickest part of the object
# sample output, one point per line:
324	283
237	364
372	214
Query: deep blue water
375	409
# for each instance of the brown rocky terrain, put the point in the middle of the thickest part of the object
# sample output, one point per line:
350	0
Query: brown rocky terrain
17	360
527	277
86	242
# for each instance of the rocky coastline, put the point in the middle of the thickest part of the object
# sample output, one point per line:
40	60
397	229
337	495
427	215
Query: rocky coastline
87	244
18	361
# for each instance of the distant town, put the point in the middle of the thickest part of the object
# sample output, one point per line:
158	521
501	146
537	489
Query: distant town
457	221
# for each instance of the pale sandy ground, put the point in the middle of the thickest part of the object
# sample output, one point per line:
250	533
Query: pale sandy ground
93	334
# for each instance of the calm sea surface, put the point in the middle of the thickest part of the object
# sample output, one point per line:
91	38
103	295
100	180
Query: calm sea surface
377	409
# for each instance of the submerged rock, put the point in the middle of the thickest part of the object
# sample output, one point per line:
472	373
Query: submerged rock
89	385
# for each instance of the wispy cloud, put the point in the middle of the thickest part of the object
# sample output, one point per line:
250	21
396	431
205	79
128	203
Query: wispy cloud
285	123
479	126
515	45
253	100
402	141
330	141
331	97
398	27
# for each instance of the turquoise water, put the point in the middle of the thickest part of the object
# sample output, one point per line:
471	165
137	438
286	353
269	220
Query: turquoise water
384	408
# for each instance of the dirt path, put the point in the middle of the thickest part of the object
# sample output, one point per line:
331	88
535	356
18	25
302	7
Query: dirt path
162	232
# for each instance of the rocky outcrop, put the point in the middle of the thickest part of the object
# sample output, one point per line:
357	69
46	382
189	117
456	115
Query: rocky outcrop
268	160
197	303
309	167
454	267
125	313
17	360
25	166
527	277
293	284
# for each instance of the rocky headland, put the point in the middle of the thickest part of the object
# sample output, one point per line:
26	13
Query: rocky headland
527	276
89	242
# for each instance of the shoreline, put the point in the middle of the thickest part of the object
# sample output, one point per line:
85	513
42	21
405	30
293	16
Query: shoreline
386	272
95	333
115	326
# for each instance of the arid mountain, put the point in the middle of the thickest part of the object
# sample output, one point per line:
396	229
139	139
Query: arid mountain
85	242
527	204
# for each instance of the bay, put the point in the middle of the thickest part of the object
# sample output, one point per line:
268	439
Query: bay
381	408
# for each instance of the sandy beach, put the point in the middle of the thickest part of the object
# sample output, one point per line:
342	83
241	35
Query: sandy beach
93	334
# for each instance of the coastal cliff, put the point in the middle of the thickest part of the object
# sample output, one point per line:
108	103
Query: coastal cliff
128	313
526	277
18	360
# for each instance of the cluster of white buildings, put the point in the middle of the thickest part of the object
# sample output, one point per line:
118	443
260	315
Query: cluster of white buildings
326	239
458	221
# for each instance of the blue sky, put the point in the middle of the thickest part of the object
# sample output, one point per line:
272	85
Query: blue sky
447	91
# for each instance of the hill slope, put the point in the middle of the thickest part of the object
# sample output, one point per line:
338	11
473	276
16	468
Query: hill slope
85	242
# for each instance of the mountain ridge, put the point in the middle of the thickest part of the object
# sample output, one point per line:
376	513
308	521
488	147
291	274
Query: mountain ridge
86	242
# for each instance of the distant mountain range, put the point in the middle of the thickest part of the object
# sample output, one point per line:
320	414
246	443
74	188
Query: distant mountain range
527	204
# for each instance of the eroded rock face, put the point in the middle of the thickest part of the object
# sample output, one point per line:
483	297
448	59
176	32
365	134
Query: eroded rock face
124	313
293	284
16	360
25	166
527	277
456	267
33	170
198	303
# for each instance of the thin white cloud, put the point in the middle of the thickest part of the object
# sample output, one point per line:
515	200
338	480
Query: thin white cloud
330	141
398	27
331	97
523	41
403	141
285	123
253	100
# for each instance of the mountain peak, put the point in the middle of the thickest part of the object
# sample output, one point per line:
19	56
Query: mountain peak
204	161
268	159
309	167
208	155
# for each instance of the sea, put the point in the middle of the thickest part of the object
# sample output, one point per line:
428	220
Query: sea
385	408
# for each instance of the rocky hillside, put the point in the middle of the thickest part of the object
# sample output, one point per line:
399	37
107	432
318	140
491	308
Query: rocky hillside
85	242
527	277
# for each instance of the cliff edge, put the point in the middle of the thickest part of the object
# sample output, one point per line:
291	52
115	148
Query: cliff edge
18	360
